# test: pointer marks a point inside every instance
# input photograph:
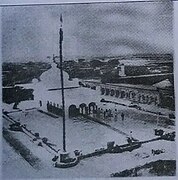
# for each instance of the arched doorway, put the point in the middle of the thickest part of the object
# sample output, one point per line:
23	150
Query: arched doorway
83	108
122	94
107	91
102	91
92	107
127	95
146	99
132	95
112	92
73	111
117	93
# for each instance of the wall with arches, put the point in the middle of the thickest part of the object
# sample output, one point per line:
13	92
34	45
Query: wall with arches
82	109
144	96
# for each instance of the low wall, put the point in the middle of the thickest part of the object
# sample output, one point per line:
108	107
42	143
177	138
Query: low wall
22	149
114	149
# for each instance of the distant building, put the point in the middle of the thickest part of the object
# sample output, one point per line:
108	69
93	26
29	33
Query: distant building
47	91
160	94
121	69
166	92
134	93
48	88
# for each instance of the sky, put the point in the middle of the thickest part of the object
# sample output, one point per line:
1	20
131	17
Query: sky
103	29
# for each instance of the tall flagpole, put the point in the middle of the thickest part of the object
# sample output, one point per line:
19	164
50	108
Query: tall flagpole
62	82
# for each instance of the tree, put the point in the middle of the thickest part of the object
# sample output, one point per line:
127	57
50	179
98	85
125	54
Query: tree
96	63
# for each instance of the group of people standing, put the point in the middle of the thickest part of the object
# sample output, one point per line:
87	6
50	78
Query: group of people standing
108	114
53	108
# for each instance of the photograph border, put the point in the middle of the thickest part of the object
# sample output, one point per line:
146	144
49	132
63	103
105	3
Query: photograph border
10	3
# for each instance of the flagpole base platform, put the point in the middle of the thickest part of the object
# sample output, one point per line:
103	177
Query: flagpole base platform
66	160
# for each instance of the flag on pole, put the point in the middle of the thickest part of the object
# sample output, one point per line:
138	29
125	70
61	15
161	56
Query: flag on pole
61	19
61	31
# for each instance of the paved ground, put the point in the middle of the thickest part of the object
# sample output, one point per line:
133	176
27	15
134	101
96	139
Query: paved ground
81	134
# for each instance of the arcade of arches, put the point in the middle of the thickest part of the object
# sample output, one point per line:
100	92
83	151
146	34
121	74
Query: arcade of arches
83	109
73	110
137	95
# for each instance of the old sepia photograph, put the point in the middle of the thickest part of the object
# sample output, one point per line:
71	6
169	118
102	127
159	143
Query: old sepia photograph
88	90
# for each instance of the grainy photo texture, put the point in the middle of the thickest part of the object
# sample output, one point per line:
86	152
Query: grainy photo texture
88	90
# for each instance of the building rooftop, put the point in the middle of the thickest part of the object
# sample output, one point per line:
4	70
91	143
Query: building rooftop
163	84
136	86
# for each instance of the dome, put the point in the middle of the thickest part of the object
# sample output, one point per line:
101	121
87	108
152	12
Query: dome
52	79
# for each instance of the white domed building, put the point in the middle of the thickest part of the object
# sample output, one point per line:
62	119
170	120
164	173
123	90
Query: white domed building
48	90
51	78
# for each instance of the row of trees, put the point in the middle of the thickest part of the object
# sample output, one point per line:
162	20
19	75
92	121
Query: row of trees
22	72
